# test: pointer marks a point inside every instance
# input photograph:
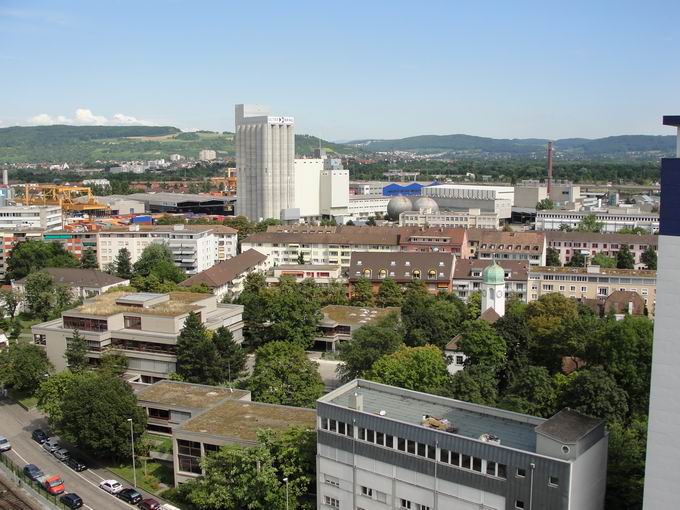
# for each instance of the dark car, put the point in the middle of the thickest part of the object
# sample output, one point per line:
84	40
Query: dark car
150	504
71	500
75	464
39	436
32	471
130	496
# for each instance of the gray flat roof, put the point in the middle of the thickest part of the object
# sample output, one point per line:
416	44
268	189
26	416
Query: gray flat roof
514	430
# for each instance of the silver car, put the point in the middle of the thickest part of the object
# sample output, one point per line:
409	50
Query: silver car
51	445
5	445
61	454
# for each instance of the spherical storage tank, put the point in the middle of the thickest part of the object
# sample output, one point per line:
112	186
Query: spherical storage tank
398	205
426	204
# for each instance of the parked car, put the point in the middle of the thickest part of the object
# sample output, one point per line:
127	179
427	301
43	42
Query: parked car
149	504
75	464
39	436
61	454
130	496
71	500
168	506
33	472
53	484
111	486
5	445
51	445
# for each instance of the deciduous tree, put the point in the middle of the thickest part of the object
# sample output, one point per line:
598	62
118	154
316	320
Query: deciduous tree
476	384
29	256
389	293
482	345
414	368
23	366
594	392
362	293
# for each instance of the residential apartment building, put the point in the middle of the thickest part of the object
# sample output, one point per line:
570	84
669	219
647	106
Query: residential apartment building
10	238
46	217
73	241
590	244
437	240
228	277
195	248
519	246
84	283
320	273
382	447
467	277
496	199
612	220
265	153
142	326
434	269
207	155
473	218
592	283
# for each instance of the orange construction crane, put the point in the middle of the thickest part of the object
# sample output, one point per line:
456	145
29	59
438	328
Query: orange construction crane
65	196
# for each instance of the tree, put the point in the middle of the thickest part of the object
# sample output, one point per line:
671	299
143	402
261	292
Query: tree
76	352
113	363
589	223
600	259
30	256
389	294
39	294
474	305
255	300
157	260
95	413
624	258
11	299
429	319
552	257
23	366
123	264
532	392
335	293
546	314
476	384
482	345
230	356
368	344
545	204
50	394
649	258
594	392
578	259
88	260
301	258
362	293
414	368
195	352
292	315
283	375
626	465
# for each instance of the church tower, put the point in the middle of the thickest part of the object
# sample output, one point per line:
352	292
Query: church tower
493	289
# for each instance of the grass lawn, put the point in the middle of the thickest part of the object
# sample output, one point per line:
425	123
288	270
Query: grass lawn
157	473
25	399
26	323
161	444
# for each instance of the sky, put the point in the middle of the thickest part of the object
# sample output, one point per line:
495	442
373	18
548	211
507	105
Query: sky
346	70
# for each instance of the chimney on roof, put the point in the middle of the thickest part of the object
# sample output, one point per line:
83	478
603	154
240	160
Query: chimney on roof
356	401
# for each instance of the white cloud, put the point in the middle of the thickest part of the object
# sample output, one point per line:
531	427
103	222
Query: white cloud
85	116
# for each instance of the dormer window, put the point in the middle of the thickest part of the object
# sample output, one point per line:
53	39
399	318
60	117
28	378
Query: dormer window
358	262
393	263
382	273
367	273
407	263
416	274
441	264
431	274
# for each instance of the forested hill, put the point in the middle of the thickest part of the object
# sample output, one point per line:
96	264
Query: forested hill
88	144
625	146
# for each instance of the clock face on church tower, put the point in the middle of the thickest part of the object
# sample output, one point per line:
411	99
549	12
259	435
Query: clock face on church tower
499	293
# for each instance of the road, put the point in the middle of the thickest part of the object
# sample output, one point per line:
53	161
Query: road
17	424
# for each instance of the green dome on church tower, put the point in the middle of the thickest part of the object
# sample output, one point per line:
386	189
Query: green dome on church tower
493	274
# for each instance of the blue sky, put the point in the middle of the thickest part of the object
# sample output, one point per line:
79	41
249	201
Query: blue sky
351	69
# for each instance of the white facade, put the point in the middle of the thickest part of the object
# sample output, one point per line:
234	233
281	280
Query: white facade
473	218
612	220
47	217
207	155
334	197
498	199
365	206
194	250
265	151
307	186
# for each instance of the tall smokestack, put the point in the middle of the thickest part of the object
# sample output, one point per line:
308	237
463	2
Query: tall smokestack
550	155
5	177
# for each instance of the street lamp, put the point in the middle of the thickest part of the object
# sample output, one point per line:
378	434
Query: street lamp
286	480
132	444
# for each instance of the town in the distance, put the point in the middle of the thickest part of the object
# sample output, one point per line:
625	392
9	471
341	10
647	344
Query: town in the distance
270	320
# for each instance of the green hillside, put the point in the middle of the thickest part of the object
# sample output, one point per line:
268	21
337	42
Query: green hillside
88	144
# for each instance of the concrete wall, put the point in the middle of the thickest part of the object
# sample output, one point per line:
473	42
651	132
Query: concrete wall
308	185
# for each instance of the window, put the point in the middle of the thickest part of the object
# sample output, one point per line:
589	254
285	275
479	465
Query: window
381	496
382	273
521	473
40	339
416	274
519	504
159	414
460	359
366	491
132	322
553	481
331	502
189	456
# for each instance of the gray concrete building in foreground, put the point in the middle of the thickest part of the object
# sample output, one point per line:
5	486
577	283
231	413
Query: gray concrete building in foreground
265	153
382	447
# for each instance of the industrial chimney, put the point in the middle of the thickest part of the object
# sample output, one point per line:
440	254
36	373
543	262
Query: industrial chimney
550	156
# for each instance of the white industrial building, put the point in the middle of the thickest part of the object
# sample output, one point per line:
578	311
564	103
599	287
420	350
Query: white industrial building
46	217
362	207
496	199
473	218
265	153
612	220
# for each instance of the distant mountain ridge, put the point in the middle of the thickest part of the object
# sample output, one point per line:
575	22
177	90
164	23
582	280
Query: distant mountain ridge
611	146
